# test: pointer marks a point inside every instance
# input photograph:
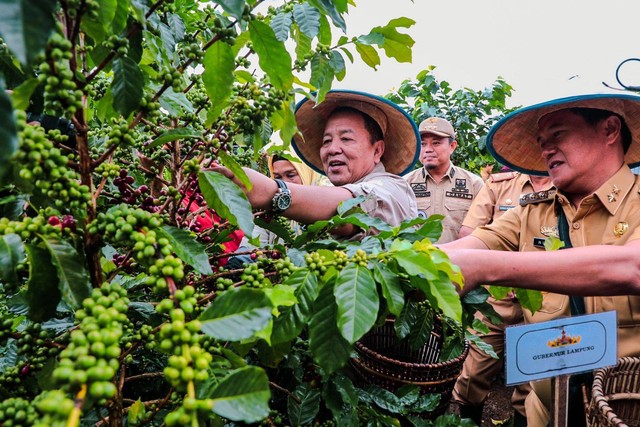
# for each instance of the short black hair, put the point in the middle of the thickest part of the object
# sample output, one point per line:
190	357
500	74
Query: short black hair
593	116
372	127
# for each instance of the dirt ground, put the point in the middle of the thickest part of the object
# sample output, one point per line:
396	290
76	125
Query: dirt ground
497	408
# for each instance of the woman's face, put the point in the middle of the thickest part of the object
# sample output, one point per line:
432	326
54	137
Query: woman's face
284	170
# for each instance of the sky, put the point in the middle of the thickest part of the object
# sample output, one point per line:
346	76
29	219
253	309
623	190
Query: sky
545	49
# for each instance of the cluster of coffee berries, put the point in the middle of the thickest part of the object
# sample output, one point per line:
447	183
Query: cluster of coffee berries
29	228
135	229
130	195
252	105
284	267
315	262
54	408
61	94
92	357
118	44
120	133
171	77
361	258
76	8
34	347
254	276
45	166
17	412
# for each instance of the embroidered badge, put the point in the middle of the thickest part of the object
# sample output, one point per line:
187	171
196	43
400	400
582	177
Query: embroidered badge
461	183
549	231
620	228
420	190
614	192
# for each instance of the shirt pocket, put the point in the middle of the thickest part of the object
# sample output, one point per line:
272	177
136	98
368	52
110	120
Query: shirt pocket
553	307
455	211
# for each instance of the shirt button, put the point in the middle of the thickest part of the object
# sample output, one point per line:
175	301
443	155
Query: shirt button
576	225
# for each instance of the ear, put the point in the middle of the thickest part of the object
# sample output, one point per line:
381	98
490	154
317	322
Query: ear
454	144
378	150
612	128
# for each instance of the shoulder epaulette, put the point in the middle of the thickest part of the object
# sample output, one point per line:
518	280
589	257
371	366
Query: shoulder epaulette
502	176
537	197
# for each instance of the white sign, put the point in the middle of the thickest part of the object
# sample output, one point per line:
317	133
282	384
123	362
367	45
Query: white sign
558	347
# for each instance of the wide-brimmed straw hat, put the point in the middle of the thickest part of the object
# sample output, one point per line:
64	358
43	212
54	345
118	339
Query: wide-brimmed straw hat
512	141
400	132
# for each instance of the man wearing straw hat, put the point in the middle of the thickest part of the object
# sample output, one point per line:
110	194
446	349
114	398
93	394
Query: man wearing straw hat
362	143
586	144
440	187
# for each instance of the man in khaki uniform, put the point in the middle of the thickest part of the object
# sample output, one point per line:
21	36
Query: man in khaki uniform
583	142
362	143
500	193
439	186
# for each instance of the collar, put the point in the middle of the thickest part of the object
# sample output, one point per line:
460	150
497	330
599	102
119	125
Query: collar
450	173
614	190
377	169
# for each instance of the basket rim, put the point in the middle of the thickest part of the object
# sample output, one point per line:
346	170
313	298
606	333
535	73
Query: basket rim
374	354
600	401
367	369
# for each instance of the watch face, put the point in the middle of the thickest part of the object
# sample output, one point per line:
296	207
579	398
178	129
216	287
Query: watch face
283	201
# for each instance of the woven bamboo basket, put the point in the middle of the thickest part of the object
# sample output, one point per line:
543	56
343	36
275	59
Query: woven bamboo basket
384	362
615	395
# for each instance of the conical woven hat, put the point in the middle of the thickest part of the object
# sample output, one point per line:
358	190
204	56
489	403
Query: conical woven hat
400	132
512	141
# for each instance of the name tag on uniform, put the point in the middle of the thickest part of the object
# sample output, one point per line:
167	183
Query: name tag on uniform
459	195
538	242
505	207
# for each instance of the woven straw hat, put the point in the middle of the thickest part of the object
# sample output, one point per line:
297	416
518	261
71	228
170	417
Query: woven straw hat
512	141
400	132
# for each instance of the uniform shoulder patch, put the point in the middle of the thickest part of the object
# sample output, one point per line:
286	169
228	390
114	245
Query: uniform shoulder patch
537	197
502	176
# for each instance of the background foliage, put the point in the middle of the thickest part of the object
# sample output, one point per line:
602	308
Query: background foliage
471	112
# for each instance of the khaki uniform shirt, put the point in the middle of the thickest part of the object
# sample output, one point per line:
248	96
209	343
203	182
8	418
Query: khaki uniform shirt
501	192
451	197
388	197
599	220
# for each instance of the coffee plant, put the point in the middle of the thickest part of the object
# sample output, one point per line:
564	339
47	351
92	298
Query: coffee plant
118	305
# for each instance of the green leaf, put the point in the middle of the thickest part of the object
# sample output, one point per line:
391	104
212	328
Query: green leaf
321	76
187	248
42	293
11	253
226	198
219	64
243	395
237	315
8	131
281	23
127	86
303	405
308	19
234	8
357	300
396	45
529	299
22	93
437	286
272	55
235	167
73	279
391	289
328	7
136	413
293	319
99	26
329	349
368	54
176	103
174	135
25	26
